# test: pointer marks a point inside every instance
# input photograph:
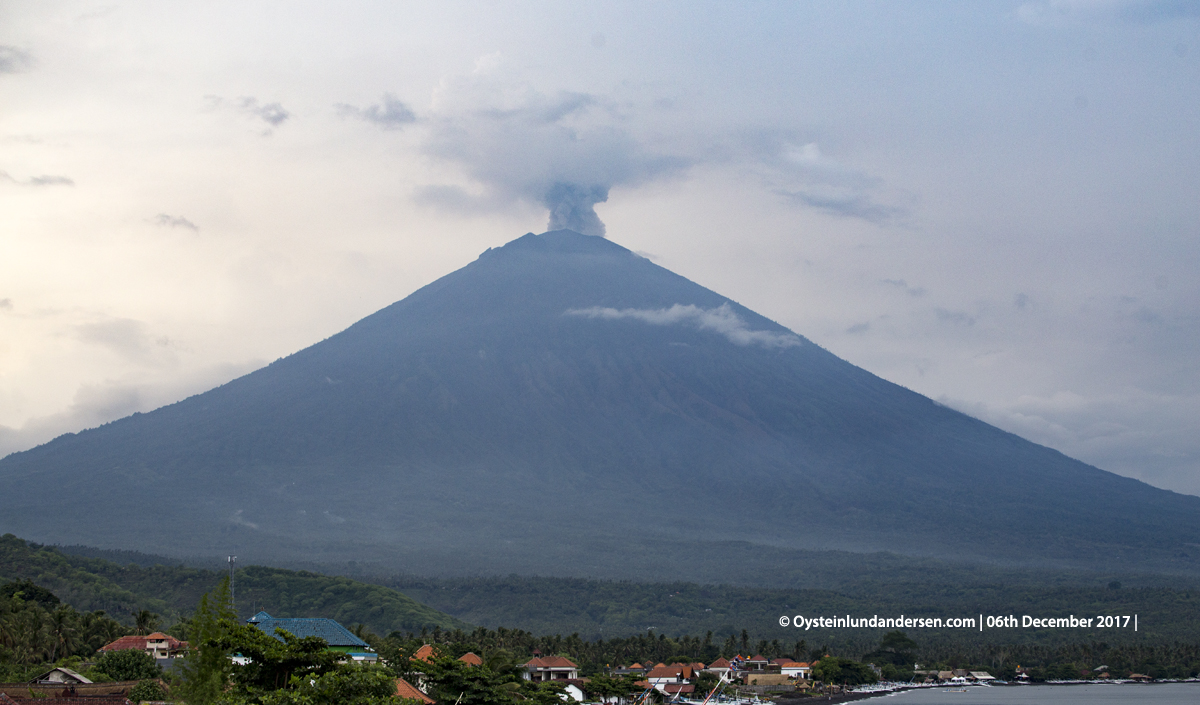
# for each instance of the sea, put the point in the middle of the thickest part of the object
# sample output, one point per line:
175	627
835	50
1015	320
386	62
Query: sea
1103	694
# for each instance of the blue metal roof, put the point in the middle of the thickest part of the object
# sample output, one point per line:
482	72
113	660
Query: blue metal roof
332	632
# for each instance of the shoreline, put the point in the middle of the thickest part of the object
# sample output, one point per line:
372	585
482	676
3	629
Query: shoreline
851	696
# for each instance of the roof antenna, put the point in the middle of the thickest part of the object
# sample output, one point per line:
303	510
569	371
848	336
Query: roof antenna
232	601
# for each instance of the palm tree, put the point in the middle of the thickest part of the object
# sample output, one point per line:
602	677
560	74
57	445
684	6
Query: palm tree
145	622
62	626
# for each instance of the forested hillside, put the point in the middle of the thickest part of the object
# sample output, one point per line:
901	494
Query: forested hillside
172	591
608	609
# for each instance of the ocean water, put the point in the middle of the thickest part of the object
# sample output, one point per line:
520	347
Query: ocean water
1155	693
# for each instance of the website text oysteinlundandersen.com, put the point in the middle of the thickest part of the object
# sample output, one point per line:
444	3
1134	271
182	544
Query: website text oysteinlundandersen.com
980	622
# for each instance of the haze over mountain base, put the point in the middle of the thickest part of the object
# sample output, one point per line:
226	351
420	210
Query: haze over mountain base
564	406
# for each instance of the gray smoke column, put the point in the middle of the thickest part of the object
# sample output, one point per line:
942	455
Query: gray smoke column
572	207
563	150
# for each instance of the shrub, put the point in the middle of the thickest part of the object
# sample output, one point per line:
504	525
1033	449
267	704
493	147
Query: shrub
147	690
128	665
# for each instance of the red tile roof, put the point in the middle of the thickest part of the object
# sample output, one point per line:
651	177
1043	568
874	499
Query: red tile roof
139	643
425	653
637	665
471	659
550	662
672	671
679	688
407	691
719	663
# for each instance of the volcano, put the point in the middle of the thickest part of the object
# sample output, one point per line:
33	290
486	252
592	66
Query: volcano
558	405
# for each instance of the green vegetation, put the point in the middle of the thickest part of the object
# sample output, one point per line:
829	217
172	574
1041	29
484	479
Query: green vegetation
128	665
135	594
605	609
41	630
843	671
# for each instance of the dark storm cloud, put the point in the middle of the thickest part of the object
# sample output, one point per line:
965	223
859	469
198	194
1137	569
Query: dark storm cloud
390	114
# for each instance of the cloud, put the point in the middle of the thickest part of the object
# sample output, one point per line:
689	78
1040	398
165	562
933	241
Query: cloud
722	320
170	221
100	402
957	318
6	304
271	113
390	114
239	520
802	174
858	328
43	180
1135	432
564	151
124	336
14	60
903	286
274	114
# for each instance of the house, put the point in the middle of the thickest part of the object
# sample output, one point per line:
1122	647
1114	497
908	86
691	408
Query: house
408	691
660	677
471	659
573	690
338	637
757	663
721	667
636	669
158	645
674	689
425	653
60	675
982	676
796	669
550	668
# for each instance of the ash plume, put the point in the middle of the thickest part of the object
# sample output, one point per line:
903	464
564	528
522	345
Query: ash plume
573	207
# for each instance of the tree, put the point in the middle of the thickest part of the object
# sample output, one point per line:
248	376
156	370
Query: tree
128	665
205	670
147	690
28	591
451	680
895	648
274	663
836	670
62	626
145	622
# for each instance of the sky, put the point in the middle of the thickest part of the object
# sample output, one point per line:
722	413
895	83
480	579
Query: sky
994	204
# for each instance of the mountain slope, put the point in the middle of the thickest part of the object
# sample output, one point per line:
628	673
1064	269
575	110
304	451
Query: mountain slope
556	402
172	591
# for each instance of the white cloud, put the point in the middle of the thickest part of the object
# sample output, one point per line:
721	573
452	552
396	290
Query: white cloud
721	320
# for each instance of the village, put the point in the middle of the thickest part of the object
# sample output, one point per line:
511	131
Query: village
722	680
